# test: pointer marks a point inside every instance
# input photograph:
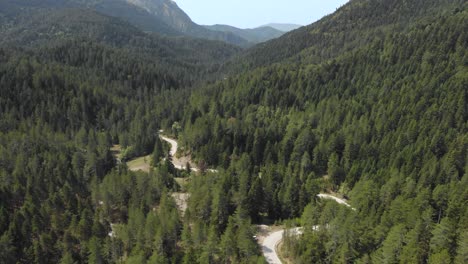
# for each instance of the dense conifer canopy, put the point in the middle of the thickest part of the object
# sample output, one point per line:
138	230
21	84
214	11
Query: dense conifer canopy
369	103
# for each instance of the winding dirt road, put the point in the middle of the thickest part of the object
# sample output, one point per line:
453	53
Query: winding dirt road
273	238
269	247
181	162
338	200
174	144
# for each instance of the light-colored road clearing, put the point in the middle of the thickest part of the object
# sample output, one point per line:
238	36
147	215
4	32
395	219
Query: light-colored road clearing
180	162
269	238
338	200
181	201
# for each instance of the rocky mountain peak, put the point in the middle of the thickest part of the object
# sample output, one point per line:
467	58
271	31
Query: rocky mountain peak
167	10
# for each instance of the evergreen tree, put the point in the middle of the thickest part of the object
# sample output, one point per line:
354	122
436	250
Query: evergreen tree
228	243
7	254
158	153
95	254
462	249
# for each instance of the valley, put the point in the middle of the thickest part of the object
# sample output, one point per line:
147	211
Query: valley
341	141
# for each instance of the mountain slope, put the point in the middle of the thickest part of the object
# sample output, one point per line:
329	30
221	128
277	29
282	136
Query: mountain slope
136	16
74	82
352	26
381	119
122	9
176	18
166	10
159	16
42	27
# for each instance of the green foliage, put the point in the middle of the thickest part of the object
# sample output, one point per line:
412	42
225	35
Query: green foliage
74	84
384	119
370	102
352	26
462	249
158	153
6	249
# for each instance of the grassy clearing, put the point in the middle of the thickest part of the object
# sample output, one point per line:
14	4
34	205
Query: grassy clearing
141	163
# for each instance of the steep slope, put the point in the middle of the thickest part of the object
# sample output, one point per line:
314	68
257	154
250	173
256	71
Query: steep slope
40	27
166	10
104	49
136	16
74	82
352	26
107	50
121	9
159	16
253	35
171	14
383	121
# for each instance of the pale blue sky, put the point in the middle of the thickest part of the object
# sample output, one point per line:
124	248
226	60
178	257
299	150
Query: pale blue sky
253	13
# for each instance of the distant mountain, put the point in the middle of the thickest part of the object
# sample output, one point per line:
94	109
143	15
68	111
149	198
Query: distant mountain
168	12
117	8
283	27
159	16
135	15
40	28
253	35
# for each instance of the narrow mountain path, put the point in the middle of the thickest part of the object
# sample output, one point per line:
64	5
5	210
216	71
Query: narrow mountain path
174	144
181	198
269	246
180	162
270	238
338	200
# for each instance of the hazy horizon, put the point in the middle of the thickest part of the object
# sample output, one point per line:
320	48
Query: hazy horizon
257	13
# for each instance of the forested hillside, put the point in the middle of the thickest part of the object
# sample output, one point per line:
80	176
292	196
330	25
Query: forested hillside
384	124
352	26
370	104
163	17
78	61
73	83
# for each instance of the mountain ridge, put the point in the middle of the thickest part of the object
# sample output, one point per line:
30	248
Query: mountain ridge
253	35
159	16
169	12
285	27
